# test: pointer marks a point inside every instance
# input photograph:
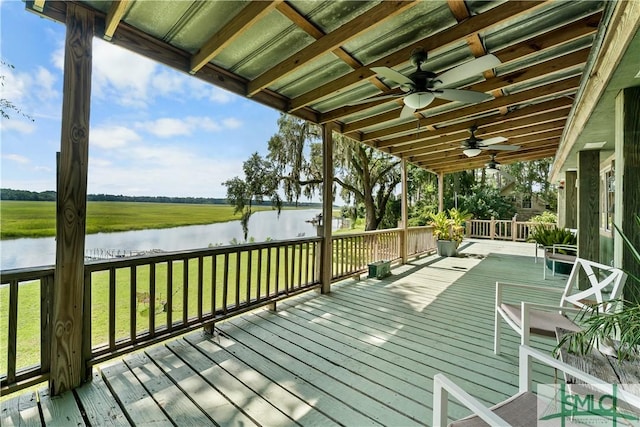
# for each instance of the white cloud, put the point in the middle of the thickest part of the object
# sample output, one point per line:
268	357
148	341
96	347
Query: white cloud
45	83
112	136
15	85
202	90
167	127
120	75
232	123
17	124
16	158
162	170
42	169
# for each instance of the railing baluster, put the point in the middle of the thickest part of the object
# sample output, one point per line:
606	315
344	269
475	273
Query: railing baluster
286	269
133	304
269	251
225	284
46	286
259	284
170	295
185	291
277	269
238	257
12	343
200	286
249	275
152	300
86	325
112	305
214	280
300	265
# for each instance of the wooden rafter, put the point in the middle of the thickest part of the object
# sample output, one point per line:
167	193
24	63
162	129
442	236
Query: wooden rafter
250	14
294	16
38	5
402	56
567	84
114	16
526	115
565	34
329	42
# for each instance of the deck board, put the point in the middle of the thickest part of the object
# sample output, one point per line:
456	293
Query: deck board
364	355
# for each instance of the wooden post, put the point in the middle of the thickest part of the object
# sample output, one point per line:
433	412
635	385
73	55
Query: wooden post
67	364
514	228
404	234
627	190
440	192
327	205
588	205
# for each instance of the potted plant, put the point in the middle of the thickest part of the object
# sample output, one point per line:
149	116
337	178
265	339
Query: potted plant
601	329
547	236
448	230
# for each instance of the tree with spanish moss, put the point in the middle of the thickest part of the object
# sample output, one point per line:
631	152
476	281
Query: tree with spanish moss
365	175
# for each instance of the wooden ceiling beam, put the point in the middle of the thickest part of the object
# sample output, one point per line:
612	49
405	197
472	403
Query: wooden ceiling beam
460	165
528	115
562	86
527	110
553	129
458	157
365	22
114	16
497	15
537	71
570	32
38	5
303	23
513	128
248	16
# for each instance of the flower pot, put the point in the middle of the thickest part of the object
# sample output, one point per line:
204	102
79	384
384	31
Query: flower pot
447	247
560	268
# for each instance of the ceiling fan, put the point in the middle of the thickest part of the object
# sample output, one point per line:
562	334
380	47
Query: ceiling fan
493	167
474	145
422	86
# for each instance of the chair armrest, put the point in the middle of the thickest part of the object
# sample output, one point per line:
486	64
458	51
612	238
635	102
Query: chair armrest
442	387
531	287
527	353
555	248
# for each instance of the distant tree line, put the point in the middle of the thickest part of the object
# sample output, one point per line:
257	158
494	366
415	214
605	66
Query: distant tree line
50	196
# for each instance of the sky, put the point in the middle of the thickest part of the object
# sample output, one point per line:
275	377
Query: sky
154	131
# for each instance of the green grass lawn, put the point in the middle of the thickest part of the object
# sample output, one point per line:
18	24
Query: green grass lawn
37	219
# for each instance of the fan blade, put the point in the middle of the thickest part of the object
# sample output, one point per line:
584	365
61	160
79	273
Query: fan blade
390	74
376	98
467	96
494	140
407	112
469	69
501	147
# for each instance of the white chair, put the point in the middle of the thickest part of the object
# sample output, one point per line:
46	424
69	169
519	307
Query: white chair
605	284
520	409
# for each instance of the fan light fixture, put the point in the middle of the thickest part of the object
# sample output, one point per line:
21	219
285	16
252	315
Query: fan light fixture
418	100
472	152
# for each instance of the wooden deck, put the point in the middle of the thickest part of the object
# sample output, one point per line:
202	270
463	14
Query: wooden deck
363	355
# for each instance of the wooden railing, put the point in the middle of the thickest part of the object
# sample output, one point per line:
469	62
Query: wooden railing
25	304
499	229
133	302
352	253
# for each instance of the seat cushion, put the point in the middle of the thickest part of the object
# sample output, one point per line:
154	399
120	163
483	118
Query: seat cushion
520	410
541	322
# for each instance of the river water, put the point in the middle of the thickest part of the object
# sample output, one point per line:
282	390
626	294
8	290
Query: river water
18	253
